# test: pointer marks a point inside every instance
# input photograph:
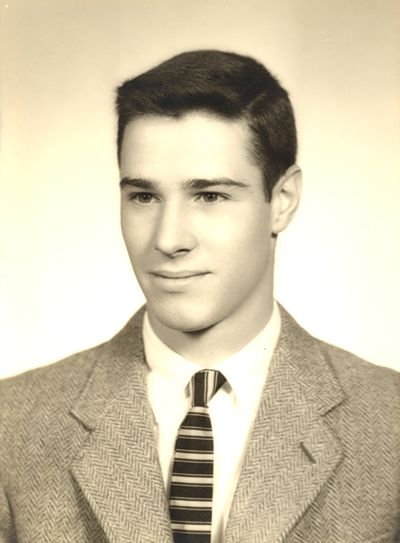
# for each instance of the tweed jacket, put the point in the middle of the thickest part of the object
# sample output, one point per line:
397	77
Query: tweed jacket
79	463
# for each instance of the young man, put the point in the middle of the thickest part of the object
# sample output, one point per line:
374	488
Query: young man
212	416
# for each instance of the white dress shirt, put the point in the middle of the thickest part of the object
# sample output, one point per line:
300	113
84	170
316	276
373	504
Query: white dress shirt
232	409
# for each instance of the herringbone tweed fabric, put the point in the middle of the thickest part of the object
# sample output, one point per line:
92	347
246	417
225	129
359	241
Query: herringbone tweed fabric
79	464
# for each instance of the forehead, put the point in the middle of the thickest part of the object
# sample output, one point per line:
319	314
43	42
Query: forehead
195	145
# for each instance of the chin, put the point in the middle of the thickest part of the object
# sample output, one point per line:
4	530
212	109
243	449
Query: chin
181	318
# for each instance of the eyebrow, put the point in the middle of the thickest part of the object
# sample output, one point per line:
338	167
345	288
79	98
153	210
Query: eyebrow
220	181
198	184
137	182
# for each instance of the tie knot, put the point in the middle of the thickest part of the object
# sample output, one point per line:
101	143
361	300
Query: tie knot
204	384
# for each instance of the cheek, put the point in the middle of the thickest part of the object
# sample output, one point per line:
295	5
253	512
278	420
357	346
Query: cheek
135	234
244	235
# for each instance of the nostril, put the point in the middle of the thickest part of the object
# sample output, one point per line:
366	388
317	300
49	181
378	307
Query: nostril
172	253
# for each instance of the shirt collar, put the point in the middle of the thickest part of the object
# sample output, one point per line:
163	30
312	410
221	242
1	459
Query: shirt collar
246	370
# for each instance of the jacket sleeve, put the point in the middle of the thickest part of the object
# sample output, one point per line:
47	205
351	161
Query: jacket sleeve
7	533
7	527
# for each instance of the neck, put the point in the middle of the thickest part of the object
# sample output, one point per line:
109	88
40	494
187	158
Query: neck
219	341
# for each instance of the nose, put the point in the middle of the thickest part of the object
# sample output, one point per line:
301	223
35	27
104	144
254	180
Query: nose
174	234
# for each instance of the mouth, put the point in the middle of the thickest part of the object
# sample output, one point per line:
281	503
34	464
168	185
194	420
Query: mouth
182	281
184	274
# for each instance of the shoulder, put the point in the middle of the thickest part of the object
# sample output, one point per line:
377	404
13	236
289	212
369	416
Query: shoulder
54	388
358	376
371	406
362	384
350	369
39	430
34	414
54	381
371	393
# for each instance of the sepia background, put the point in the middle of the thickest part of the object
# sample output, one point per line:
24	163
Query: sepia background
65	280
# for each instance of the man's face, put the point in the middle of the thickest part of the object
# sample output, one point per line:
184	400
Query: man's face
195	220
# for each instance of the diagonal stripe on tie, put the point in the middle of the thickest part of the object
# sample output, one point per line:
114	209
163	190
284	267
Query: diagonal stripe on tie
192	474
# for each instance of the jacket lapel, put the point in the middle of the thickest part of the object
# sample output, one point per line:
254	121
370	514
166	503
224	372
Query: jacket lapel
292	452
118	468
290	455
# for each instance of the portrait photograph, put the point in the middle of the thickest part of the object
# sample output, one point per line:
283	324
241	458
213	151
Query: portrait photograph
199	271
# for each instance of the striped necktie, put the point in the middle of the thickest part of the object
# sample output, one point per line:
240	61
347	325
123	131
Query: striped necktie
192	475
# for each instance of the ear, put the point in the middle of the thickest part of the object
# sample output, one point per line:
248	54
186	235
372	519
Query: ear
285	199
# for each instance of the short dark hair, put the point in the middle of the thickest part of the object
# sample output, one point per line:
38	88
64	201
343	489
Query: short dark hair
226	84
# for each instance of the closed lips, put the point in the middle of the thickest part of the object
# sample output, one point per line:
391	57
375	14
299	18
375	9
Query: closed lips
178	275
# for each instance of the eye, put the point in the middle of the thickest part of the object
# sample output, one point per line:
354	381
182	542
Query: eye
211	197
141	197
